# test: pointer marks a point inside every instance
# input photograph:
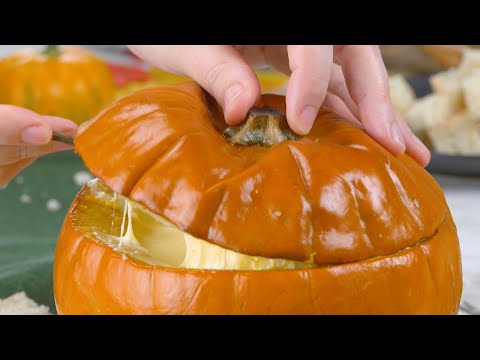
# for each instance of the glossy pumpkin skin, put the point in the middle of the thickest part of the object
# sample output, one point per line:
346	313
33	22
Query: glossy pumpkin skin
378	226
334	193
91	278
73	84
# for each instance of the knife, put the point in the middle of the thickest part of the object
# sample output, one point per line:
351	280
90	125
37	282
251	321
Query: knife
63	138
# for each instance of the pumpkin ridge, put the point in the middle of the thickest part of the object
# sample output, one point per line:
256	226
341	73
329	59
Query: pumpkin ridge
222	186
72	253
171	147
108	135
430	271
418	243
352	195
365	228
399	193
307	191
124	124
430	190
231	176
219	209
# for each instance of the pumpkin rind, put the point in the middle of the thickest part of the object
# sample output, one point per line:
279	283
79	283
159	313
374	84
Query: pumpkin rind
92	278
340	195
73	84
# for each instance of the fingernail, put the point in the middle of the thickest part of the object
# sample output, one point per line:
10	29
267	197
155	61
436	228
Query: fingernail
397	134
36	135
306	119
70	130
423	148
232	94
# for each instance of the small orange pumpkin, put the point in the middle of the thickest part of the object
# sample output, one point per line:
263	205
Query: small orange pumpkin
69	82
190	216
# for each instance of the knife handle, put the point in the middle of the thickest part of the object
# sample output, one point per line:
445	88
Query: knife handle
63	138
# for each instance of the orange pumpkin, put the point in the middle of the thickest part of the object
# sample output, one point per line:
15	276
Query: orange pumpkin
68	82
190	216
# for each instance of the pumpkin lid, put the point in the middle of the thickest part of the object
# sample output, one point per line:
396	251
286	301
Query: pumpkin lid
333	196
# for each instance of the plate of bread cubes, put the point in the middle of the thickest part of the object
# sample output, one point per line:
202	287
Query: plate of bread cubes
443	110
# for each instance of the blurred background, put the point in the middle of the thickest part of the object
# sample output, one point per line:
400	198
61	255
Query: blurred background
436	88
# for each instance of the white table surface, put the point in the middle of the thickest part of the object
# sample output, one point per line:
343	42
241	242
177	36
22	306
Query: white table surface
463	197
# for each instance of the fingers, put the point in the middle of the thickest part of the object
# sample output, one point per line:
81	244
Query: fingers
275	56
14	158
414	146
10	154
338	87
308	84
22	126
335	103
62	125
220	70
24	136
367	82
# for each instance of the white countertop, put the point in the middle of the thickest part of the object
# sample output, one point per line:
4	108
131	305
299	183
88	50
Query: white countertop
463	197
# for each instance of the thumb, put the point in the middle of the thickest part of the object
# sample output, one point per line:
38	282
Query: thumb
220	70
22	126
19	126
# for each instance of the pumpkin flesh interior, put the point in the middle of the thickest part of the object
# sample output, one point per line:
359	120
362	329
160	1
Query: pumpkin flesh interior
143	236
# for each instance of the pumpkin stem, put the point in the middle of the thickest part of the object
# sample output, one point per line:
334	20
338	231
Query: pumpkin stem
52	50
264	126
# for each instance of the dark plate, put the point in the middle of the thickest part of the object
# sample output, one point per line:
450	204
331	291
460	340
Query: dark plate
454	165
441	163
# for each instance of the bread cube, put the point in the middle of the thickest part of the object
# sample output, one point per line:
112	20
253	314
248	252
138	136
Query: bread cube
429	111
470	62
460	135
401	94
471	92
449	83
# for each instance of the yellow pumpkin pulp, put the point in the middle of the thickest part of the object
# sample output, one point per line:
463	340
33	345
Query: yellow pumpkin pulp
131	229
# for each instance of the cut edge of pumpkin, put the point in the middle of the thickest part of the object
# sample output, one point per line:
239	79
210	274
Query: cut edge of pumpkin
147	238
137	233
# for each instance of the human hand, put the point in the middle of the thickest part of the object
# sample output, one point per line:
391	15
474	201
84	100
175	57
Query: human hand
24	136
350	79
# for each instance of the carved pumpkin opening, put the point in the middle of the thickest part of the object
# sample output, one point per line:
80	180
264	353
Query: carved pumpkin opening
131	229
